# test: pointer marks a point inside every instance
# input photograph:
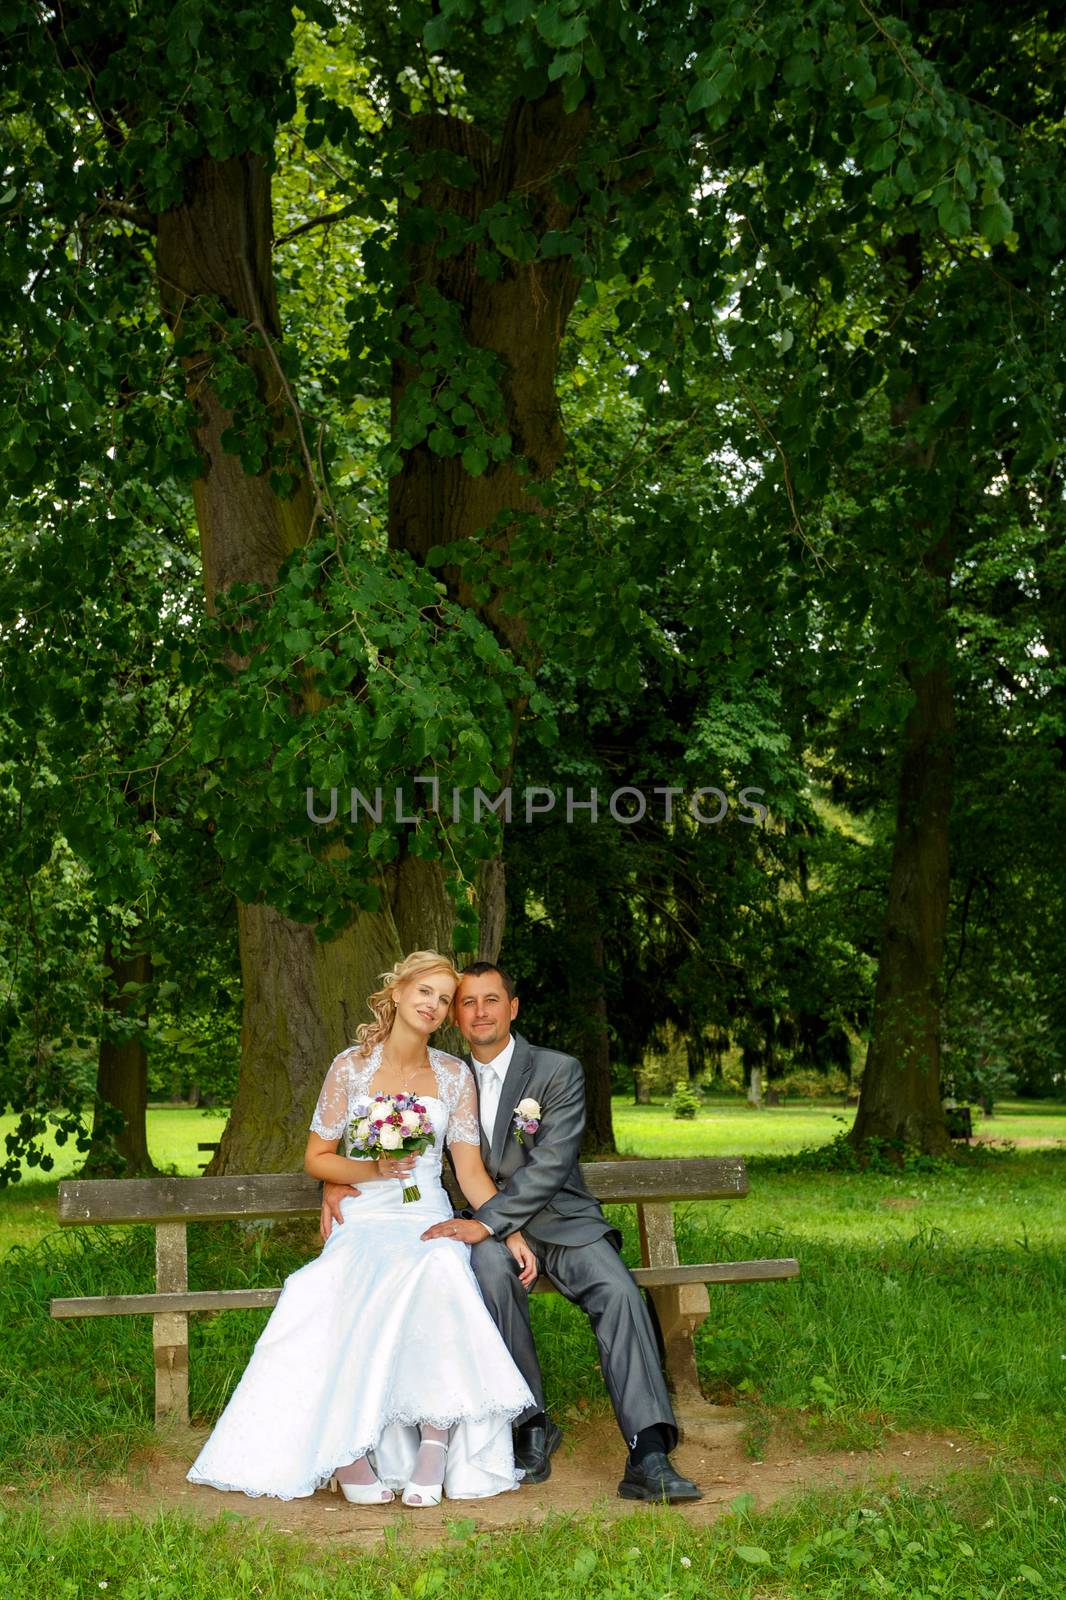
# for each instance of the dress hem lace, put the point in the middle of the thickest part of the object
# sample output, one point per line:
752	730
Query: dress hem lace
322	1477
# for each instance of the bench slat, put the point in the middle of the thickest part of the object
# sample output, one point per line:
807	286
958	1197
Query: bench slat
279	1194
682	1178
124	1305
719	1272
117	1305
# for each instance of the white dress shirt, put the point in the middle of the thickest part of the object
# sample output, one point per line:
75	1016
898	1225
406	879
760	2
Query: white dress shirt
490	1076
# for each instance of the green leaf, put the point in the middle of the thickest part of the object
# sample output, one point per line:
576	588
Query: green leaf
475	460
564	65
438	31
953	215
754	1554
703	93
584	1563
798	69
563	32
573	92
382	844
995	221
595	65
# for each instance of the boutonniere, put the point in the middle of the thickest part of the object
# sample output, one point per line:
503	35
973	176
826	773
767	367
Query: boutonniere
526	1118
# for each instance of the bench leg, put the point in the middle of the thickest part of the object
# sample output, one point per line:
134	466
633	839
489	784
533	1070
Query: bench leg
170	1331
682	1308
170	1342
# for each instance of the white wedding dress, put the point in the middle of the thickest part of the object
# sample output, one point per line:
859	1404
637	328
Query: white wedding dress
380	1332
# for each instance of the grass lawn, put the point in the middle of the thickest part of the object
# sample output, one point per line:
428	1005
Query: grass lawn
972	1540
173	1134
732	1127
926	1300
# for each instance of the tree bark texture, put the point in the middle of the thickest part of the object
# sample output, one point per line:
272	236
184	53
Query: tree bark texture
121	1076
302	1003
900	1096
588	1012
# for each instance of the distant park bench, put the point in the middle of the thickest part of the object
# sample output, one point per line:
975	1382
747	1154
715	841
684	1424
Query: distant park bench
678	1291
211	1146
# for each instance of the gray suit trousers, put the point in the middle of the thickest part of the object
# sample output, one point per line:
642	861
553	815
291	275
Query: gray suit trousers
594	1277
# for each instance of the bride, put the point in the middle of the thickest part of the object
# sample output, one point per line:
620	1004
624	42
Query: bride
380	1369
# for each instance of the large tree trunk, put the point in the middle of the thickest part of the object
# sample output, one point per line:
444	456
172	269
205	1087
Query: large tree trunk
588	1011
520	318
302	1003
492	908
900	1097
302	998
119	1147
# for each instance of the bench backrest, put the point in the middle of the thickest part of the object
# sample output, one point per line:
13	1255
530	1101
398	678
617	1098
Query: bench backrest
284	1194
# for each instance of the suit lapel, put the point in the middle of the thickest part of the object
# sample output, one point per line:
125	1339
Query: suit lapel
510	1093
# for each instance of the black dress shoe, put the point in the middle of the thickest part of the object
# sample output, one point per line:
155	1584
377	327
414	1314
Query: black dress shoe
534	1443
655	1479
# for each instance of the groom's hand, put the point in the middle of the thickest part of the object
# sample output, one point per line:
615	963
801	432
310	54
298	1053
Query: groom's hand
465	1229
332	1195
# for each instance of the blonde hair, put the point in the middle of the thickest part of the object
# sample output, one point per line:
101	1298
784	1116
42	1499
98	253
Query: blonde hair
382	1002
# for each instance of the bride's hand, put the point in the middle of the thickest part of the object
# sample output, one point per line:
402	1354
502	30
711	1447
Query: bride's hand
395	1166
527	1261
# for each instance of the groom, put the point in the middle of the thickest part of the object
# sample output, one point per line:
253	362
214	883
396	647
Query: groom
541	1191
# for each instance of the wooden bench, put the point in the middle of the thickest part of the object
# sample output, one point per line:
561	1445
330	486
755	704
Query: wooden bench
678	1291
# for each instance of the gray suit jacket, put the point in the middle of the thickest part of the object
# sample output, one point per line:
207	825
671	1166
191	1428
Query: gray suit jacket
541	1189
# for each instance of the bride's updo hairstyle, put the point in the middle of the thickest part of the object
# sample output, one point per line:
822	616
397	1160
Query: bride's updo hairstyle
383	1002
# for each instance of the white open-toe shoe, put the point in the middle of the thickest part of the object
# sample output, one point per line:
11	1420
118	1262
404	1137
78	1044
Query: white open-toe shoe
427	1494
362	1494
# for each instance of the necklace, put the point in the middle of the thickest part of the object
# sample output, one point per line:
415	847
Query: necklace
406	1072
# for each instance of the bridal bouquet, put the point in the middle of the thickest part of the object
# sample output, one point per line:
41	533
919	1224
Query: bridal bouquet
392	1125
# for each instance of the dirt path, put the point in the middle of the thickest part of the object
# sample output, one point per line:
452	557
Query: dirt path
584	1479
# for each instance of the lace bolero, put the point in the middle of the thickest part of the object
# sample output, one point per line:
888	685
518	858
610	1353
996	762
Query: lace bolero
348	1081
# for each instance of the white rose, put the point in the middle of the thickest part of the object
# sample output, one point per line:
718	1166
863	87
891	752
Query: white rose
411	1121
361	1132
391	1138
529	1110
